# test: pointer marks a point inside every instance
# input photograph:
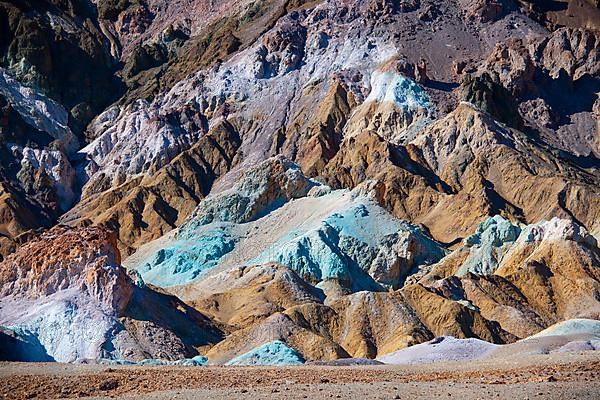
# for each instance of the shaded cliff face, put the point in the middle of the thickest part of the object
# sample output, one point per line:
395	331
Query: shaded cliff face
314	179
58	47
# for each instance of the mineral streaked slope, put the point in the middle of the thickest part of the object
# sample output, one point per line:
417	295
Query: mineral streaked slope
254	77
203	257
464	307
425	117
276	214
464	167
546	273
147	206
68	292
282	58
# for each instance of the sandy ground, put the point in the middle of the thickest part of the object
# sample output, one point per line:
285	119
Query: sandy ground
555	376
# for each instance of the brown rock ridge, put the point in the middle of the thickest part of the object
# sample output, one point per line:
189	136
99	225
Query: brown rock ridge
270	302
38	269
550	274
315	142
462	168
246	295
147	207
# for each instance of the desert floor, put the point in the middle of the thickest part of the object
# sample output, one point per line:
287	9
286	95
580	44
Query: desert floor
554	376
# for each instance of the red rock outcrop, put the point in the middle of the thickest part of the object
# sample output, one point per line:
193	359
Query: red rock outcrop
68	283
45	266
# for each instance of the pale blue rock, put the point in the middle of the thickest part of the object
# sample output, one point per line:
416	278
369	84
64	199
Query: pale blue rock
184	260
275	353
488	245
362	247
260	190
340	237
578	326
205	238
397	108
398	89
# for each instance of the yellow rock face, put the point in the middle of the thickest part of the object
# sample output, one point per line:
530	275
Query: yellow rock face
462	168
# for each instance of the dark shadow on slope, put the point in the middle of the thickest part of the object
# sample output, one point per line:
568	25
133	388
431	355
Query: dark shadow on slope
551	5
567	97
21	346
399	157
498	203
443	86
168	312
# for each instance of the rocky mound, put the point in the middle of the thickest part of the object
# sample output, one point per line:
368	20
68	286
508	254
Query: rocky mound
526	278
572	327
273	353
568	336
440	349
276	214
66	296
466	155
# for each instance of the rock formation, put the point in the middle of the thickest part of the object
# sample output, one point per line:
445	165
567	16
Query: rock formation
66	293
294	180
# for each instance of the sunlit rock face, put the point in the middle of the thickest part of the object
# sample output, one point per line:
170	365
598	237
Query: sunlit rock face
51	171
137	139
258	192
66	297
396	108
330	178
274	353
338	236
69	299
